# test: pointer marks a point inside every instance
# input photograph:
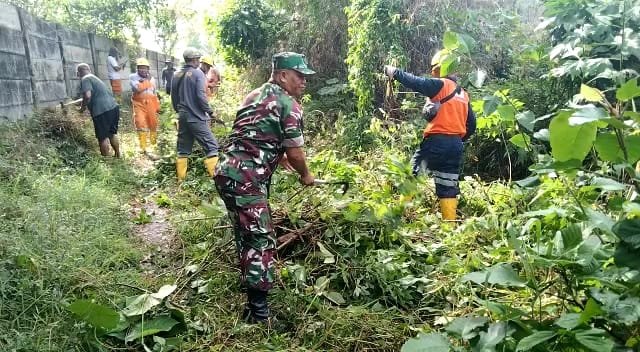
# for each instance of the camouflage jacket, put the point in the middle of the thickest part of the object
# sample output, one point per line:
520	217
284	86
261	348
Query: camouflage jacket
269	121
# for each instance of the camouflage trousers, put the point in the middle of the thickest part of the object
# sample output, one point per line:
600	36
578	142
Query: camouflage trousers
249	212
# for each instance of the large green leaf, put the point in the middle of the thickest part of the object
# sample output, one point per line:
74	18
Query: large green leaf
590	94
570	142
607	184
592	309
490	104
629	90
609	149
586	114
600	220
499	274
334	297
490	339
594	340
534	339
628	230
150	327
141	304
507	112
571	236
526	119
569	321
427	343
465	327
450	41
632	143
467	43
477	77
627	256
520	140
97	315
623	310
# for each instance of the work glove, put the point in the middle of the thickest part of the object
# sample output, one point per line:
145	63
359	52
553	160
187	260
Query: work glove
389	70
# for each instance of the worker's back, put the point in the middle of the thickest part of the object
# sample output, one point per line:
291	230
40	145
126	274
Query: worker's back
188	93
101	99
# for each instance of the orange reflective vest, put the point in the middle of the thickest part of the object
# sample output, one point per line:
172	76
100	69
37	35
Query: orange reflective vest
146	96
452	115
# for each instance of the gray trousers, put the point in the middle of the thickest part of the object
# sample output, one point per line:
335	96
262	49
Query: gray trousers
190	129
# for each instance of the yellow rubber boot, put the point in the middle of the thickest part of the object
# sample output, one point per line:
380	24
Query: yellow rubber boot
210	164
153	137
181	168
142	137
448	208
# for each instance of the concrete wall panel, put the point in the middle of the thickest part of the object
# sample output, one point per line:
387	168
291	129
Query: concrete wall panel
42	48
11	41
13	66
74	38
77	54
9	17
51	91
15	92
15	112
39	27
48	70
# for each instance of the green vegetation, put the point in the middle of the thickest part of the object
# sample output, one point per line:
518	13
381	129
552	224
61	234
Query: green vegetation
545	257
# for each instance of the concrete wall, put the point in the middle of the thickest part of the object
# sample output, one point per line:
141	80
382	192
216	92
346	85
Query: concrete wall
38	62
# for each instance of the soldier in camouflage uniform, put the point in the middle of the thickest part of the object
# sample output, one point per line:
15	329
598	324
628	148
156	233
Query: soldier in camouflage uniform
267	132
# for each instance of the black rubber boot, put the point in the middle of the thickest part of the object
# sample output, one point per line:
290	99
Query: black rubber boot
257	308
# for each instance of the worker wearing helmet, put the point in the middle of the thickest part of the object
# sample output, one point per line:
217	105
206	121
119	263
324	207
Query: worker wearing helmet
145	103
213	75
452	123
194	113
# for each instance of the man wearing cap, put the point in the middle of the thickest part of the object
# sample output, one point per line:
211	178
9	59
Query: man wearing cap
145	103
194	113
213	75
267	132
441	149
167	75
104	110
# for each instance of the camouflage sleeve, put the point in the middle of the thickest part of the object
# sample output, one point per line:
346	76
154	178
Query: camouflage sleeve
292	126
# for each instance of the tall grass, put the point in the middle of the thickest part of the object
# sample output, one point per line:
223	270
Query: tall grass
63	232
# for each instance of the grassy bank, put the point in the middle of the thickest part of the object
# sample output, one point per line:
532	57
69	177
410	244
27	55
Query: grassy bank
65	231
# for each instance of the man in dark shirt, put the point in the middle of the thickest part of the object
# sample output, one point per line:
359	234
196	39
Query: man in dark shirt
194	113
104	110
441	149
167	75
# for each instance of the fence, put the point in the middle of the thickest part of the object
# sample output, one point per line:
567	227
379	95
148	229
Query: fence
38	61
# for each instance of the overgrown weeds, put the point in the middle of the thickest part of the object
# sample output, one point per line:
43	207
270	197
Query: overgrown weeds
64	232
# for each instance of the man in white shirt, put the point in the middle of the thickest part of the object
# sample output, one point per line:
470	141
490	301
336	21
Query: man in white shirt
113	71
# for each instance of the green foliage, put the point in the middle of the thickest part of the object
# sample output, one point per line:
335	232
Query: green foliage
142	218
65	234
246	30
375	31
427	343
130	325
109	18
593	39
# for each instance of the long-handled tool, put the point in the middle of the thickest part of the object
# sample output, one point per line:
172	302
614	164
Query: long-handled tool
73	102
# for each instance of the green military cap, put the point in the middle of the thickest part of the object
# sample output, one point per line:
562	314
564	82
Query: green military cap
291	61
